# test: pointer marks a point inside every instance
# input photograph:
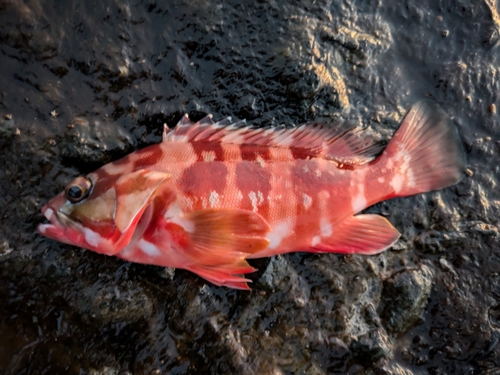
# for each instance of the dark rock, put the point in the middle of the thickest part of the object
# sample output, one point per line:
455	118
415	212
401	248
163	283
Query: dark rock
95	143
7	126
306	86
105	303
404	297
395	369
125	67
371	347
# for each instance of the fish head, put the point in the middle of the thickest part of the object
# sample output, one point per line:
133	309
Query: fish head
100	212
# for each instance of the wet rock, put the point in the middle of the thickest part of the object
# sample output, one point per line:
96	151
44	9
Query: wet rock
8	126
404	297
93	142
306	86
106	303
494	315
355	40
277	269
5	249
430	242
251	107
105	371
311	369
280	275
371	347
395	369
277	62
488	356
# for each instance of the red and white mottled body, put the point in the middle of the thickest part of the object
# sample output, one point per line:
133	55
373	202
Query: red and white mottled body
212	195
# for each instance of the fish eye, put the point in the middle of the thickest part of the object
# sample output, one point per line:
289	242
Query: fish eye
78	189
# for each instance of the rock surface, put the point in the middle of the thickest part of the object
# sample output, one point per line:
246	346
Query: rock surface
83	83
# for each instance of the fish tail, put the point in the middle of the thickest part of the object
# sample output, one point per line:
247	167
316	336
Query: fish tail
425	153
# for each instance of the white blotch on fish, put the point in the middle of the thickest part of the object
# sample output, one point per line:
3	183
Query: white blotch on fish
306	201
325	227
213	200
91	237
278	233
148	248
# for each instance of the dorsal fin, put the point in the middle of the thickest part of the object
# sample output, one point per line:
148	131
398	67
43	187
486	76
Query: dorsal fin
343	145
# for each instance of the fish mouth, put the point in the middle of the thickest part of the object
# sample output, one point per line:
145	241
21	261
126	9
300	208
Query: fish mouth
51	216
58	223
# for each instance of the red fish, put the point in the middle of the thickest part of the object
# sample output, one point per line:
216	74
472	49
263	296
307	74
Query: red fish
212	195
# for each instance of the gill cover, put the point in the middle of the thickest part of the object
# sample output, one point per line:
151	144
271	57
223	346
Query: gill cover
134	192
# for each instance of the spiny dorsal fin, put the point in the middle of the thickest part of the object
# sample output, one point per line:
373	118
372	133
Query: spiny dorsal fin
343	145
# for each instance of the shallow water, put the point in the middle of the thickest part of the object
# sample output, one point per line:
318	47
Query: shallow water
83	83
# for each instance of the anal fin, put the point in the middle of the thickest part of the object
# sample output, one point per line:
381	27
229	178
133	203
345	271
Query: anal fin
360	234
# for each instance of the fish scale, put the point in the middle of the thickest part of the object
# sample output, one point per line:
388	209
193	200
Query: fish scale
213	194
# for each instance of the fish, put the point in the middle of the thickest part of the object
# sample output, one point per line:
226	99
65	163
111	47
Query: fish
212	195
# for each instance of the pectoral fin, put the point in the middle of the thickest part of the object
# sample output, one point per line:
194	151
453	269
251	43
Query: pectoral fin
221	236
219	241
361	234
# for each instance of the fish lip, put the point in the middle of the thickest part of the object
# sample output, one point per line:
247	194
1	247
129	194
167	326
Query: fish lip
52	216
57	219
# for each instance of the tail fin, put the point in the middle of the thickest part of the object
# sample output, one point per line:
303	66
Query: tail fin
426	152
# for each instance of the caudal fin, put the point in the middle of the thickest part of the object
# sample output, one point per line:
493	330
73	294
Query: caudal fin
425	153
